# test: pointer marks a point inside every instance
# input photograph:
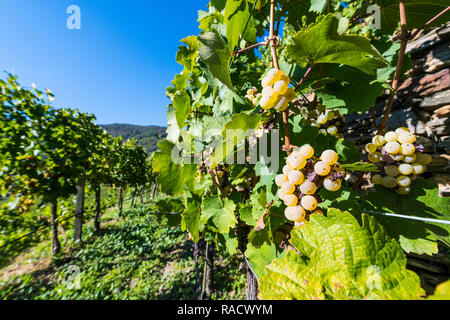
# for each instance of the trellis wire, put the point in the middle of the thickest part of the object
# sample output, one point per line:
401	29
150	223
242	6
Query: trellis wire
402	216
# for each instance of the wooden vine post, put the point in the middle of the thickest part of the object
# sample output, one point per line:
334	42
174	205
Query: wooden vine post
56	245
98	208
79	209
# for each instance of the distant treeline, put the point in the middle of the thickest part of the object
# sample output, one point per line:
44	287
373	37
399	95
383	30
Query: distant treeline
146	136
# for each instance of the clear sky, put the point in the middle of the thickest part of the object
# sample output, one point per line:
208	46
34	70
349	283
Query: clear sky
116	67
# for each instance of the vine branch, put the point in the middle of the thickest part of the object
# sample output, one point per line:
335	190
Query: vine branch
431	20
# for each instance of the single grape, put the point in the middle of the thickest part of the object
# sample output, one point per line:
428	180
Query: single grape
323	132
378	140
423	158
281	104
329	114
377	179
390	136
307	151
330	157
290	200
280	179
389	182
405	169
397	157
259	133
268	91
250	92
322	168
410	159
273	75
309	203
318	211
427	159
290	94
287	169
288	187
297	161
281	87
418	168
407	149
267	102
296	213
371	148
406	137
332	130
322	119
403	190
308	187
281	194
392	147
403	181
295	177
391	171
401	130
332	185
374	157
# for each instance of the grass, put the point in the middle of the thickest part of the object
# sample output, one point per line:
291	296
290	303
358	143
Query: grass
134	258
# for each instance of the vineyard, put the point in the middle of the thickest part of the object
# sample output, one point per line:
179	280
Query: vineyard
260	189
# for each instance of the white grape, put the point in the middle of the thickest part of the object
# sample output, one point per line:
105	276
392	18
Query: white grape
378	140
406	137
288	187
287	169
329	114
281	87
295	177
392	147
374	157
322	119
423	158
280	179
290	94
297	161
418	168
290	200
281	194
330	157
273	75
405	169
307	151
309	203
332	130
391	136
281	104
308	187
296	213
408	149
322	168
401	130
323	132
331	185
403	181
371	148
410	159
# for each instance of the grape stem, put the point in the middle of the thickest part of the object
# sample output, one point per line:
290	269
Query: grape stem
401	57
304	76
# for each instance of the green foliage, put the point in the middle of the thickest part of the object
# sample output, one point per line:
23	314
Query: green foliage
340	260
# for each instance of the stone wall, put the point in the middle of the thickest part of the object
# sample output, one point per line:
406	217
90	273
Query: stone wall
422	104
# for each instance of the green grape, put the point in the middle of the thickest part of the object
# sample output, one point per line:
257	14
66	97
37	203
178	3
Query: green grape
423	158
389	182
390	136
322	168
410	159
308	187
332	185
405	169
370	148
318	211
307	151
288	187
374	157
403	190
329	114
323	132
377	179
392	147
391	171
295	177
408	149
378	140
280	179
309	203
403	181
296	213
330	157
290	200
406	137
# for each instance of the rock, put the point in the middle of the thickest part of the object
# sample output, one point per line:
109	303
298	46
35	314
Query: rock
443	181
435	60
431	39
427	144
439	126
439	164
444	144
424	86
442	112
436	100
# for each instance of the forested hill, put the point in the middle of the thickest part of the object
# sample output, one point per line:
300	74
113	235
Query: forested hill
147	136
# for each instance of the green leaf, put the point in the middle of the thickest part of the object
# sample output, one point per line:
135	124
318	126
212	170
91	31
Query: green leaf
191	216
182	105
218	214
442	292
321	43
340	260
237	13
172	177
215	53
318	5
234	133
423	201
260	257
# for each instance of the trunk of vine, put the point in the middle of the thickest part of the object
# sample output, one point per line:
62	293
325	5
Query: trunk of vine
133	204
120	201
142	194
155	186
208	273
56	245
198	284
79	210
252	284
98	209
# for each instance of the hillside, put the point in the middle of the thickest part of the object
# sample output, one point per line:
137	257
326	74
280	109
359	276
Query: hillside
147	136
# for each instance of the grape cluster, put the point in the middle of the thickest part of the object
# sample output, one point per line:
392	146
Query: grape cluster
303	175
276	92
253	95
328	121
401	159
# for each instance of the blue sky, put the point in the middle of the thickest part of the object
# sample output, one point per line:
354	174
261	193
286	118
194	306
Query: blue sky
116	67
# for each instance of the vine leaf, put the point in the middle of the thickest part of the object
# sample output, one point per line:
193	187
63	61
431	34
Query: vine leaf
423	201
182	105
340	260
215	53
172	177
218	214
260	257
318	5
321	43
237	13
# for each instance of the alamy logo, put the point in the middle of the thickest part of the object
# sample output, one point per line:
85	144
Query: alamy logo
74	20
